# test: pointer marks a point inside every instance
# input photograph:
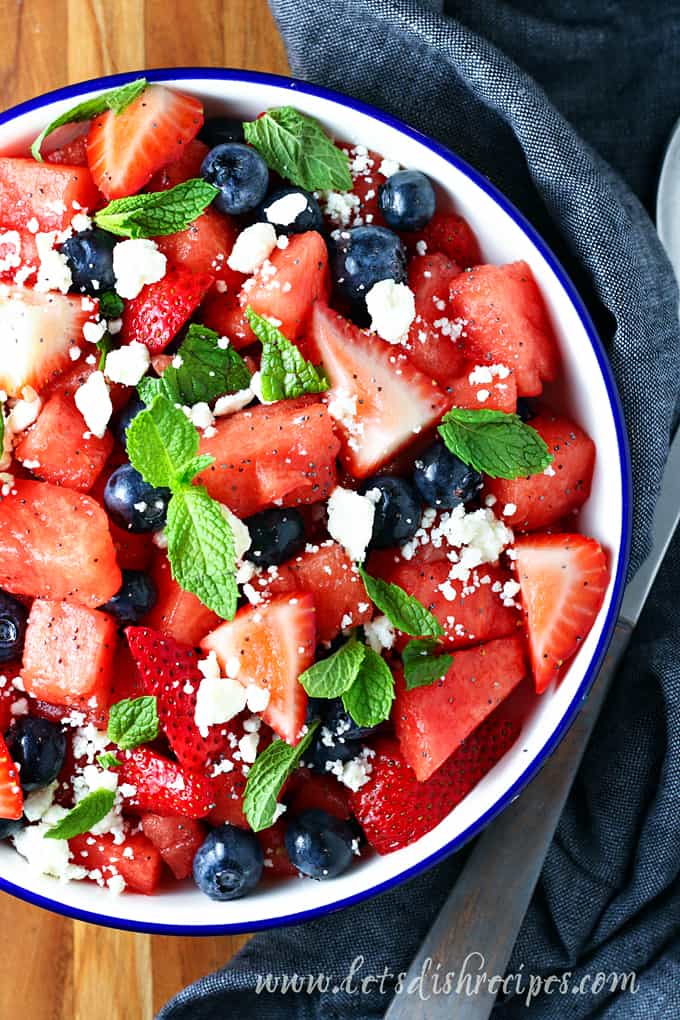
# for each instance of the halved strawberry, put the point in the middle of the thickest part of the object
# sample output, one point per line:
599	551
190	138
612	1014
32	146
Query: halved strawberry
136	859
451	235
279	454
55	543
394	809
125	150
176	839
273	645
38	331
544	499
204	247
160	310
507	323
168	670
432	721
164	787
11	797
177	613
434	337
186	167
289	283
394	401
47	192
563	580
61	450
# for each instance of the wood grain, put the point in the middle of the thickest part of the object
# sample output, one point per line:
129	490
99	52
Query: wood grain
53	968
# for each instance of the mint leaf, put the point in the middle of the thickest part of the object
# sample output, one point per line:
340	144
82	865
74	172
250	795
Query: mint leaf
111	306
158	212
161	441
284	373
84	815
201	549
298	148
267	776
403	611
116	100
205	371
331	677
133	721
104	345
499	445
422	666
108	760
369	699
2	429
150	388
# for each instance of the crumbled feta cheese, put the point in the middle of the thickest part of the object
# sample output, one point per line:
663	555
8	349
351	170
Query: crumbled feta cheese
38	803
380	633
81	221
232	402
94	403
222	768
218	700
389	167
128	364
247	746
23	414
392	309
136	263
339	207
356	772
509	509
350	521
279	810
94	331
242	539
116	884
53	269
47	856
252	248
201	416
284	211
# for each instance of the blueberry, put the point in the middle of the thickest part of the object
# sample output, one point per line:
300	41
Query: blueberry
525	409
37	747
340	723
363	256
275	535
228	864
136	596
407	200
291	211
218	130
90	258
337	739
397	511
241	175
125	416
319	845
9	826
132	503
12	627
443	480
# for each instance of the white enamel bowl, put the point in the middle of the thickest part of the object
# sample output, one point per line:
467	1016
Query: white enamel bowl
587	390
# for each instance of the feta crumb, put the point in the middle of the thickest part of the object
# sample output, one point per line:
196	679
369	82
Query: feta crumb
284	211
279	810
252	248
218	700
392	309
247	746
136	263
94	331
128	364
232	402
47	856
94	403
350	521
339	207
53	269
23	414
242	539
509	509
38	803
200	415
379	633
116	884
389	167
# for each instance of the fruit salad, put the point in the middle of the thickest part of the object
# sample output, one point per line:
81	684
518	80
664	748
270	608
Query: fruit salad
288	531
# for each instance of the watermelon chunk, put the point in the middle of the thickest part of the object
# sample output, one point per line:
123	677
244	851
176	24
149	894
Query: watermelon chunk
434	338
136	859
498	393
451	235
176	839
204	247
177	613
47	192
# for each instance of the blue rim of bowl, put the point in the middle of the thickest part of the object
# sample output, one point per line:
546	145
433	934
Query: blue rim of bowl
170	74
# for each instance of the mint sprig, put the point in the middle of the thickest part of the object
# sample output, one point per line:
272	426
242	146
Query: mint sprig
111	306
200	371
284	373
498	444
115	99
369	699
404	611
133	721
267	776
331	677
424	663
87	812
298	148
108	760
157	213
162	445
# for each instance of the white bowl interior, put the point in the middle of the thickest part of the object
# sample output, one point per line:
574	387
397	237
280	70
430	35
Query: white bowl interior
502	240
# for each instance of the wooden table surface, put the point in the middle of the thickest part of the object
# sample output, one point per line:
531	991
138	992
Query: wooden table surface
53	968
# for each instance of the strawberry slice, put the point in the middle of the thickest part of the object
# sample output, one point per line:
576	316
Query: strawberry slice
169	670
180	170
38	331
164	787
160	310
394	809
289	283
563	580
11	797
273	644
394	401
176	839
544	499
125	150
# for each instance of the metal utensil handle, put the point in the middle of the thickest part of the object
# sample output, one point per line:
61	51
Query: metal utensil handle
484	912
